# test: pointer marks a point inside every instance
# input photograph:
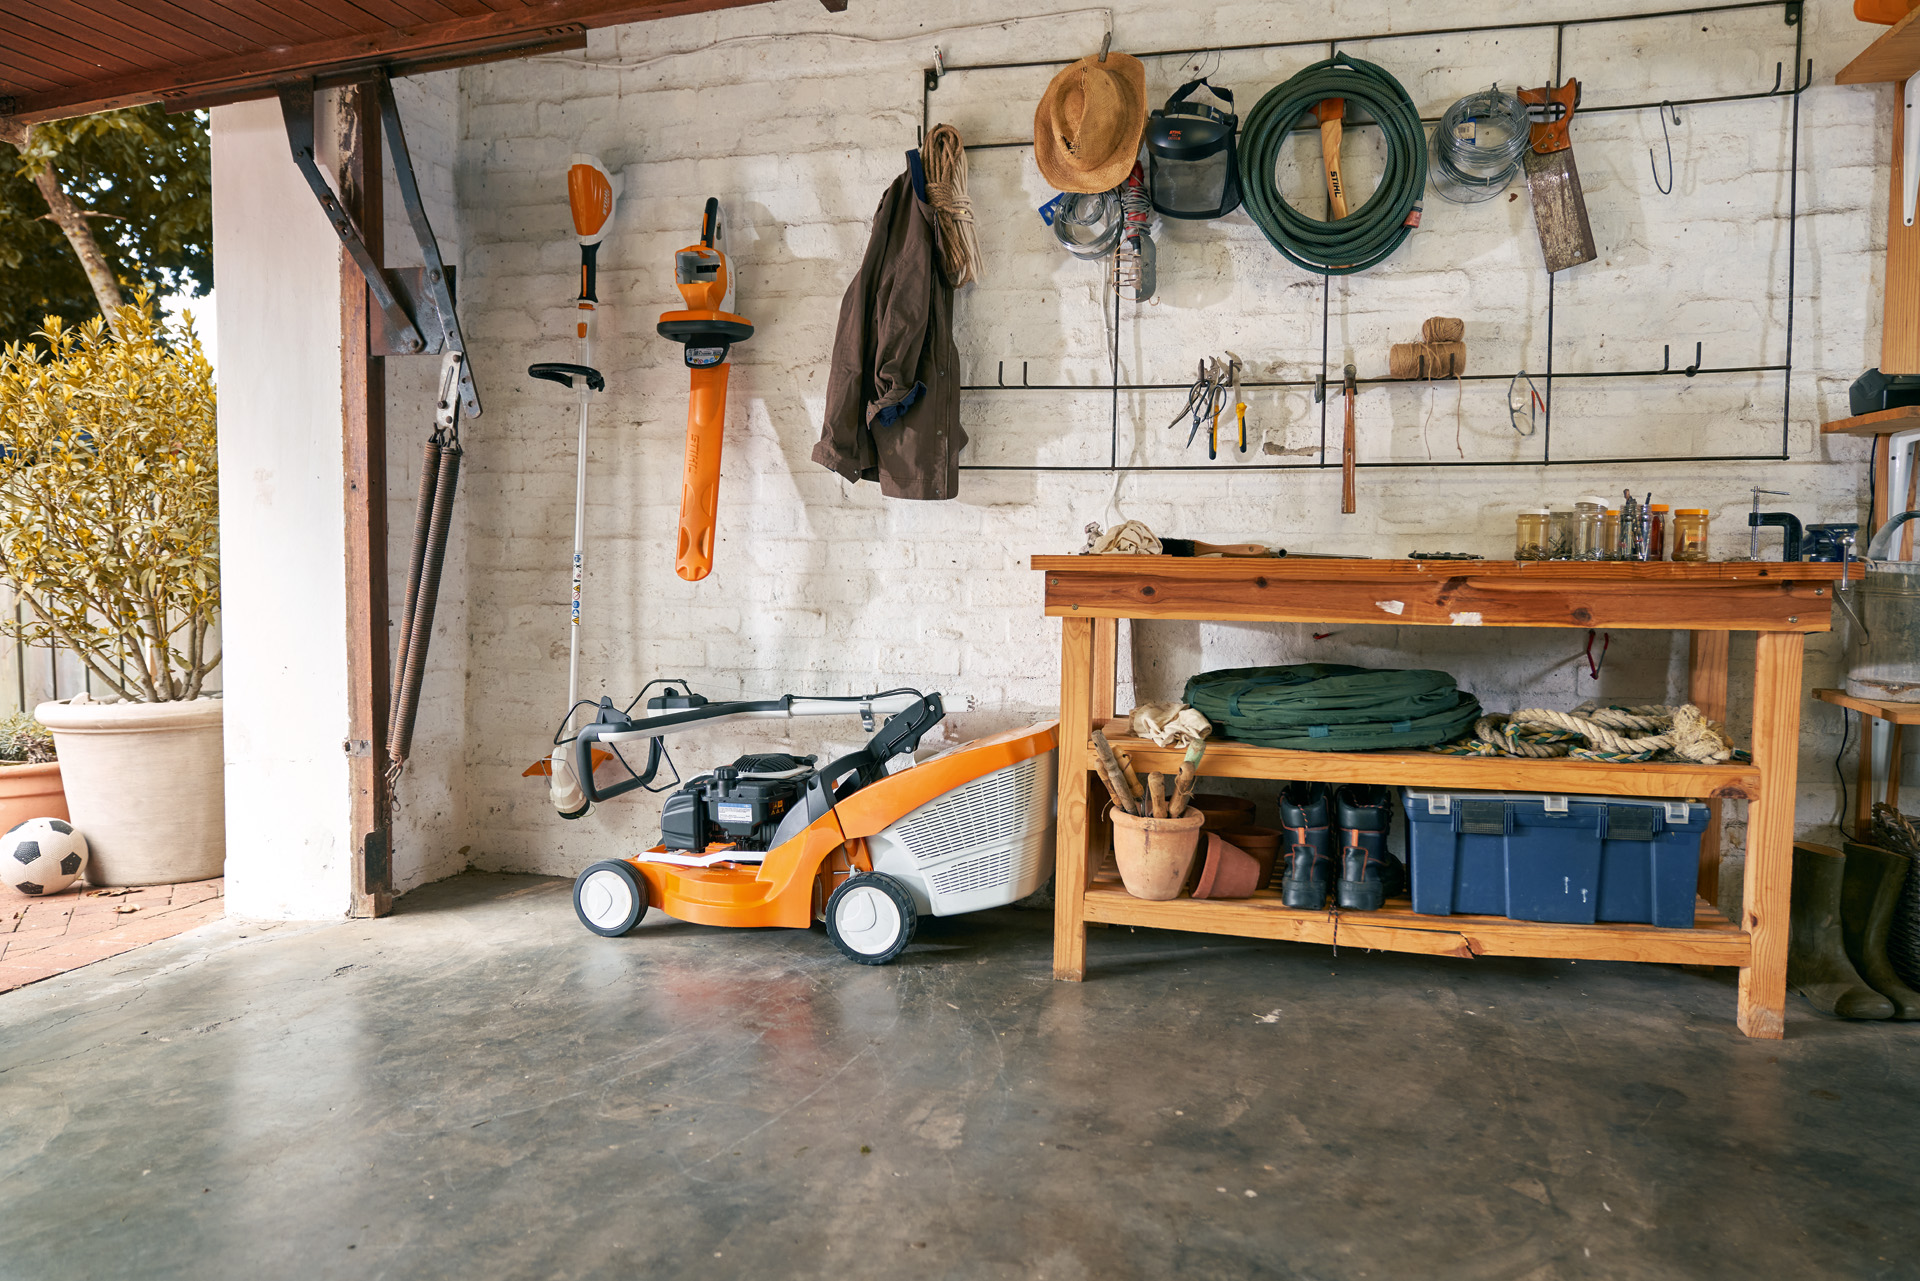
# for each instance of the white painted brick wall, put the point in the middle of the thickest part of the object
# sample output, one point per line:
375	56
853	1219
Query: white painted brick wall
821	587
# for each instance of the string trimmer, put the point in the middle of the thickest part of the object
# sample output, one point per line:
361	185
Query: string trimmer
592	193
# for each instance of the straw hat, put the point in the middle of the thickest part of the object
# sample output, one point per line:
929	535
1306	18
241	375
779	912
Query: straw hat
1088	126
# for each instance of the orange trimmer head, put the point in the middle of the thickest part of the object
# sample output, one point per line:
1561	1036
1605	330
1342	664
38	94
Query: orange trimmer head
706	329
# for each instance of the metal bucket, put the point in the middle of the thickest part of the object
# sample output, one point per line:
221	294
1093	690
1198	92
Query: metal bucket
1886	660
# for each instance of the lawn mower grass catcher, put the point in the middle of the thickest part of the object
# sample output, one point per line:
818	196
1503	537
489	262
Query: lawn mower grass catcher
774	840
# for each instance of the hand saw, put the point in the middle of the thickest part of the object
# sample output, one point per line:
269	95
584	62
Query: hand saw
1553	180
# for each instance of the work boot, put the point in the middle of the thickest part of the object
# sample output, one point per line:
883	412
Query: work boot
1817	964
1307	855
1368	874
1869	891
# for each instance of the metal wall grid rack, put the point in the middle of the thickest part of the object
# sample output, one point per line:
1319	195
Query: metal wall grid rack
1791	13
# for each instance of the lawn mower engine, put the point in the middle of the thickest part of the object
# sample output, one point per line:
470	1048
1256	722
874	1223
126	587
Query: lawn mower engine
742	804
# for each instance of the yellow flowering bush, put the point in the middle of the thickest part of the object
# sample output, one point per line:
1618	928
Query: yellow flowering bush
109	500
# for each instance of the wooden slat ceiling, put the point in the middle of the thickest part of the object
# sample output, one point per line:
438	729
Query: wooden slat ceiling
70	57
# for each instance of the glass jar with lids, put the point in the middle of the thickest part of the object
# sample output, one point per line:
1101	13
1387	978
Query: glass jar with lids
1588	535
1690	533
1530	537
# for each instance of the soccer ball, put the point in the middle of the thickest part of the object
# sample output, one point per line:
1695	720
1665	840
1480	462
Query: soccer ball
42	856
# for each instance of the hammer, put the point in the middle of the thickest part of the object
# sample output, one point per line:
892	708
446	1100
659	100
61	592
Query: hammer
1346	451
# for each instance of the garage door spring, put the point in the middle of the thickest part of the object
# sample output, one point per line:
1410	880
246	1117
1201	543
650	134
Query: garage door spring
1374	230
432	515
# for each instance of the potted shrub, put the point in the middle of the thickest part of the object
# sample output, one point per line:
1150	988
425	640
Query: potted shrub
109	511
29	773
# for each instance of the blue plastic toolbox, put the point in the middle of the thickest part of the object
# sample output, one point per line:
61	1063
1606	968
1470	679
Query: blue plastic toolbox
1574	859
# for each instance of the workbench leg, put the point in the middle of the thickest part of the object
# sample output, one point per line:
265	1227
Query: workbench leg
1073	844
1769	885
1863	778
1106	667
1707	690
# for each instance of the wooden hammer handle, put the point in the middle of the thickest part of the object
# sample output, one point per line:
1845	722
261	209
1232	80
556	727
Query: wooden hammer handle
1115	778
1330	112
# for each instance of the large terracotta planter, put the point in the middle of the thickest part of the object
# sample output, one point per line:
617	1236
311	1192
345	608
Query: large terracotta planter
146	785
30	791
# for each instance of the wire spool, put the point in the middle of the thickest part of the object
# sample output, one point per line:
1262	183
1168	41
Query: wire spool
1368	234
1088	225
1477	146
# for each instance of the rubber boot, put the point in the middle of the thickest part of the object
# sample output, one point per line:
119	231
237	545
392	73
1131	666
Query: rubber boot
1817	964
1868	893
1368	874
1306	869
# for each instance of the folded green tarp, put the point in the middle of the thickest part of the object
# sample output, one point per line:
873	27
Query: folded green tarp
1330	707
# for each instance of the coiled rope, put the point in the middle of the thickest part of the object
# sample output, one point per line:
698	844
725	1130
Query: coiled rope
1374	230
945	158
1590	733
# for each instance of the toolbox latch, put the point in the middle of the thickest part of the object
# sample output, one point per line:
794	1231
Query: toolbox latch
1679	811
1554	804
1439	802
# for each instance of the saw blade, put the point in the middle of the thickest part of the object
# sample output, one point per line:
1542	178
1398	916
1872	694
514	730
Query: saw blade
1559	209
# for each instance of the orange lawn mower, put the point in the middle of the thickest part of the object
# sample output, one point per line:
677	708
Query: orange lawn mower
865	844
706	330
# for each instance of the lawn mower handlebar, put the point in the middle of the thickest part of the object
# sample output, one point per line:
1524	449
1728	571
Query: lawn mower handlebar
613	726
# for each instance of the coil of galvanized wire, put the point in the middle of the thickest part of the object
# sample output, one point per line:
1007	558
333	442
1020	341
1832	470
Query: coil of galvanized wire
1368	234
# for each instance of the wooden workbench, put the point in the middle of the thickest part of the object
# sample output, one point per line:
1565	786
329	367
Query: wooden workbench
1780	602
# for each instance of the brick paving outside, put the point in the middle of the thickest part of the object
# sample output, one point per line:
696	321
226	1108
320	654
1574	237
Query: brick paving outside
51	934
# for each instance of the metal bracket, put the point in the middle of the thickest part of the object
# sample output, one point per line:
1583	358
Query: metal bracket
1792	14
410	283
414	313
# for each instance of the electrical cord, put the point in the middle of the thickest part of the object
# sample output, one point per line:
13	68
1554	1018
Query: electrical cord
1368	234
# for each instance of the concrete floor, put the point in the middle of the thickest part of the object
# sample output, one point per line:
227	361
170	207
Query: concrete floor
478	1087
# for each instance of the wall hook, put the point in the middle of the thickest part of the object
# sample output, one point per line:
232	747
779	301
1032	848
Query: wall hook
1023	375
1666	358
1106	43
1694	368
1663	109
1798	85
1000	375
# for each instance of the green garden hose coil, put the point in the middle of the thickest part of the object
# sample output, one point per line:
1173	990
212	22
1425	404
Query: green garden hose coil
1374	230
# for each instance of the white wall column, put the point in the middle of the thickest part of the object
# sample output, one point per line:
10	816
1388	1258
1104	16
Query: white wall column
276	266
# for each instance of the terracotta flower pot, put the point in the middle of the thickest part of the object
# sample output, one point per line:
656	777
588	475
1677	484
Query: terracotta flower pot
1229	871
1261	842
31	791
146	784
1154	855
1223	811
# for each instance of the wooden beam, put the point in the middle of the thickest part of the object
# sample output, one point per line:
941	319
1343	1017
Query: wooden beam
498	33
1073	827
1776	754
1707	690
363	400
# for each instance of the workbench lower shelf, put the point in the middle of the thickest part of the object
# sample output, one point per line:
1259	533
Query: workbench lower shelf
1558	775
1713	940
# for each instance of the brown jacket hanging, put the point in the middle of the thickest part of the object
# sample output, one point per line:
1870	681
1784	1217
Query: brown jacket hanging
893	389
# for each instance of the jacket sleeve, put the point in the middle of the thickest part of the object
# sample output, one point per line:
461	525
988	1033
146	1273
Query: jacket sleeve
846	445
902	297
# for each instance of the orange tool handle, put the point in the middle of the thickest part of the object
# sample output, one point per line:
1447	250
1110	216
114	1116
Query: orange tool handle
1885	12
1550	135
700	486
1330	112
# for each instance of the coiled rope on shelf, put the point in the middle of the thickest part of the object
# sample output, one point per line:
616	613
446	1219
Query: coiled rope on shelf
945	159
1376	228
1591	733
